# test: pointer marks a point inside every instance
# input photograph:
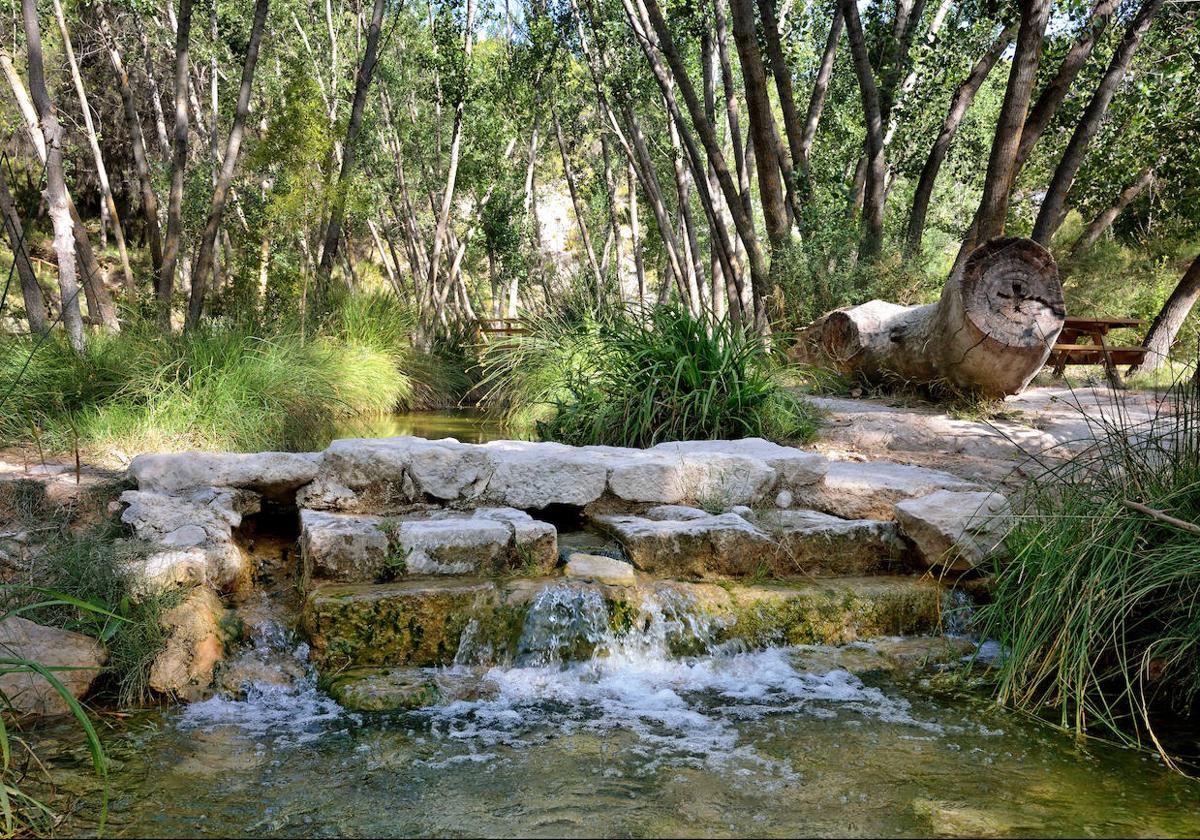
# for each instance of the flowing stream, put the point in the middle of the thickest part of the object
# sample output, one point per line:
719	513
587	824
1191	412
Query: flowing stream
629	741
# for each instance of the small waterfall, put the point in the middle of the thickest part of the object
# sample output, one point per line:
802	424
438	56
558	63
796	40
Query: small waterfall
958	613
565	622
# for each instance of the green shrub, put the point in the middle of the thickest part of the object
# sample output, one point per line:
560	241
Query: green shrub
626	380
1099	605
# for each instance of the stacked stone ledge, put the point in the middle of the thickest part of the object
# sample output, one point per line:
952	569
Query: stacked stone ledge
396	532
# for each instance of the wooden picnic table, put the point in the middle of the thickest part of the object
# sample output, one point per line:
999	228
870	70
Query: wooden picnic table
1072	349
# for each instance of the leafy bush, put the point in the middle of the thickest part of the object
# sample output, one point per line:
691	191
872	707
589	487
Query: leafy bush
221	386
1099	605
626	380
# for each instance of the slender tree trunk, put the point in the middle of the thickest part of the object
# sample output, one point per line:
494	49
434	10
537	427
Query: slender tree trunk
97	156
100	306
137	145
1056	89
816	101
639	262
1170	320
1104	221
663	41
1053	208
160	123
614	217
579	208
35	305
964	95
166	278
792	127
205	257
729	88
993	206
443	218
333	229
56	188
762	122
876	170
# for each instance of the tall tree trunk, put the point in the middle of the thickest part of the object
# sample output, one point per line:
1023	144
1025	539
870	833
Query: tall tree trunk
964	95
97	156
1170	320
762	122
1056	89
100	306
1053	210
205	257
792	128
816	101
729	88
166	278
333	229
1104	220
137	145
663	41
579	208
993	206
56	187
35	305
876	170
639	263
443	218
614	217
160	122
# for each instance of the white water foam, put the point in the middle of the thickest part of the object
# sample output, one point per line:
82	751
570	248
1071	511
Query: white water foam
684	711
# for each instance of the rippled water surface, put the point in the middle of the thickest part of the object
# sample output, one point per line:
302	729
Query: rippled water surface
780	742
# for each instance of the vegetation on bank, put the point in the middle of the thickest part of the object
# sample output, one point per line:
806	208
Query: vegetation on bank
221	385
1098	607
639	378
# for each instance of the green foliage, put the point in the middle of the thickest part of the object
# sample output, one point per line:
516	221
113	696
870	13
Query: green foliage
222	386
626	380
1097	606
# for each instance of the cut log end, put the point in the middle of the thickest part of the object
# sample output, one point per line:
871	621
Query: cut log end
1012	295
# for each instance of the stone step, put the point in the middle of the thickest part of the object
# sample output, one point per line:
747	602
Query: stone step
687	542
869	489
420	622
365	548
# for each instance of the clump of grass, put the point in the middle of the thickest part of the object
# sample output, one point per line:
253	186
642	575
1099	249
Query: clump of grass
1099	605
221	386
627	380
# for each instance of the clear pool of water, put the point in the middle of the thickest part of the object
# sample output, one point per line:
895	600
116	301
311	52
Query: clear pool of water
780	742
468	425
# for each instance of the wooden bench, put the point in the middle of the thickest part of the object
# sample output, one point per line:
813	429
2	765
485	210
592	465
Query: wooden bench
486	328
1071	349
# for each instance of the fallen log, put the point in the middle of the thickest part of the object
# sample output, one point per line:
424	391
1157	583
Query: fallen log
990	332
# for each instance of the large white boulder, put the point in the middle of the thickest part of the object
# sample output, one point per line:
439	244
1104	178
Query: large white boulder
536	475
74	659
957	531
714	546
600	569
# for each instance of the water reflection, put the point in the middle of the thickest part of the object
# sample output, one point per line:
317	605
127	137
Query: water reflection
468	425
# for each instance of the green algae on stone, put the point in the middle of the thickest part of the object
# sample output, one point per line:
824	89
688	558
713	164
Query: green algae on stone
384	689
409	622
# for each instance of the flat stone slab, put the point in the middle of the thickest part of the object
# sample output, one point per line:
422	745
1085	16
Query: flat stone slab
779	543
390	689
869	489
385	475
595	567
361	547
409	622
74	659
956	531
274	474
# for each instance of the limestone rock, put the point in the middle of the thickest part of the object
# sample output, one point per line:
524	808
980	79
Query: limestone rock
195	645
813	543
362	474
361	547
391	689
681	513
274	474
449	470
342	546
794	467
536	475
600	569
958	531
80	658
409	622
715	546
869	489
